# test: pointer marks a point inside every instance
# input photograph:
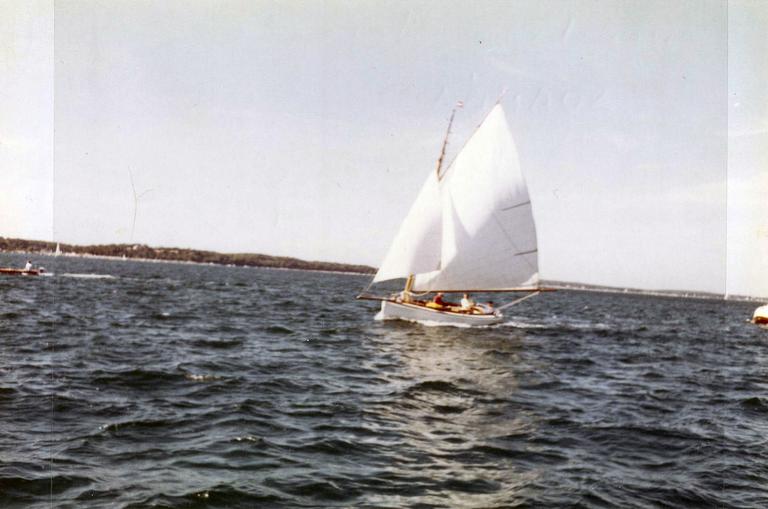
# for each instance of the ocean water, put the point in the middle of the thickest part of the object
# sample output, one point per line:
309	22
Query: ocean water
128	384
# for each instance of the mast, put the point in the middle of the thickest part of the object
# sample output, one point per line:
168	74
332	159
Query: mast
445	141
407	290
409	281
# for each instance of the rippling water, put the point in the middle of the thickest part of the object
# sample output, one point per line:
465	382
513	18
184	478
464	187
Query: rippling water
171	385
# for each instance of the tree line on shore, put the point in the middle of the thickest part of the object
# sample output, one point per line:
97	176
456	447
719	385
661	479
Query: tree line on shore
140	251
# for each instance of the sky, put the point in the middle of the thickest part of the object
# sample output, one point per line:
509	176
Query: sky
307	128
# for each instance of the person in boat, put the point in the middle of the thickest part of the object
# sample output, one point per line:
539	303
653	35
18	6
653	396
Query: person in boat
438	299
486	308
28	265
466	303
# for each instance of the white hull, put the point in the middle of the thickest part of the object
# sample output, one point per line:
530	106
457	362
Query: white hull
411	312
761	315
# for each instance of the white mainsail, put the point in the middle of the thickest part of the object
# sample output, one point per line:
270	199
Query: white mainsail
472	228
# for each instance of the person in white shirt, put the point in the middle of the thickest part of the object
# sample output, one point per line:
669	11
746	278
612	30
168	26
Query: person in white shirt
28	266
466	303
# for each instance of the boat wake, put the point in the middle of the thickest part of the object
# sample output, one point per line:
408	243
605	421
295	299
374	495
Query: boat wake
87	276
523	325
560	325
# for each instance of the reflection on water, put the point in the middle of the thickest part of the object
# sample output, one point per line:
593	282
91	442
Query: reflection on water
450	405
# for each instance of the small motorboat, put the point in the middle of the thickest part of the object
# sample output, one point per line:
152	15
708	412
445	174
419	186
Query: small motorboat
761	315
9	271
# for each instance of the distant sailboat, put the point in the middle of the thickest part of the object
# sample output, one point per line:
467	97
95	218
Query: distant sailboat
471	229
58	250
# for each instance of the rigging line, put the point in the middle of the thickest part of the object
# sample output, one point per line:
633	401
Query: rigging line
369	285
512	242
515	206
450	165
445	142
518	301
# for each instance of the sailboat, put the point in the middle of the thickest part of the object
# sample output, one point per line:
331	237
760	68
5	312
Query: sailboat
761	315
470	230
58	250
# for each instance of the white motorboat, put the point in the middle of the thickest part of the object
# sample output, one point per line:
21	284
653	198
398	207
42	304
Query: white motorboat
761	315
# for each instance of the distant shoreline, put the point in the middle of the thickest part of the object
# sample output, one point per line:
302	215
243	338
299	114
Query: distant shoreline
143	253
184	262
684	294
140	252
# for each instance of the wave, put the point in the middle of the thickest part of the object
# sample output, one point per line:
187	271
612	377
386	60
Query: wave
438	386
17	488
137	378
139	428
167	315
435	386
326	490
432	323
278	329
755	404
529	454
222	344
202	378
217	496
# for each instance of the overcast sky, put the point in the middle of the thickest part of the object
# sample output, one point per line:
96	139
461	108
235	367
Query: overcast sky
306	128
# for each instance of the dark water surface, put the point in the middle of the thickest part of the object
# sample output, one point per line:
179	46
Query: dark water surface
170	385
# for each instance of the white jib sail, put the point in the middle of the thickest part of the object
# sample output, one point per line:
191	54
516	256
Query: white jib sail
416	247
485	229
